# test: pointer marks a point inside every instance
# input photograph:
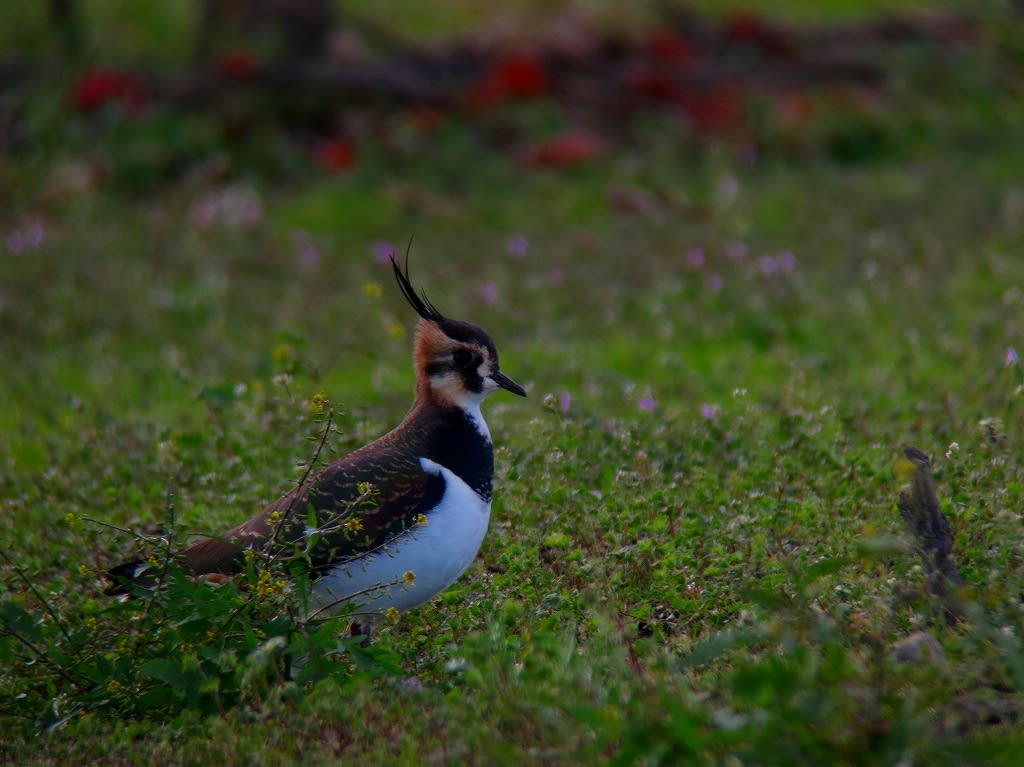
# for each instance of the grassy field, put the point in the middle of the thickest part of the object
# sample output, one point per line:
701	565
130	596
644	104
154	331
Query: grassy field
695	554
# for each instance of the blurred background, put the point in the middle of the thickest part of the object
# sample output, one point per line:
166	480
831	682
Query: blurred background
145	93
196	193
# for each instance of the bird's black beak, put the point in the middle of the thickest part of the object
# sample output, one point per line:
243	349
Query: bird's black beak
508	384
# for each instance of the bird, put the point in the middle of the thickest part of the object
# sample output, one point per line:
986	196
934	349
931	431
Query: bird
397	521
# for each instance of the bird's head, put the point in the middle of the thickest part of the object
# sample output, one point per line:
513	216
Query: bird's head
456	361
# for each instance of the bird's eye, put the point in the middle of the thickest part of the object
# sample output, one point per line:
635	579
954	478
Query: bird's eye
462	357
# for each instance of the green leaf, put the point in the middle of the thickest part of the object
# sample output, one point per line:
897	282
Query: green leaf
375	660
822	569
765	681
18	620
719	644
557	540
167	671
770	599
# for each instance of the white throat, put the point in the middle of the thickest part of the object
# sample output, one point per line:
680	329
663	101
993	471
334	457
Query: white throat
471	407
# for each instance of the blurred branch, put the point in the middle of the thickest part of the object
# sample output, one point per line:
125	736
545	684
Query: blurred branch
369	83
300	28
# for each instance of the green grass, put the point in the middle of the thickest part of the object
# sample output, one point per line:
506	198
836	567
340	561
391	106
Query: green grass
657	587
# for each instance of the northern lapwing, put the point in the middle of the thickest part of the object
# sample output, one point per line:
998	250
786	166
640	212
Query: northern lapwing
398	520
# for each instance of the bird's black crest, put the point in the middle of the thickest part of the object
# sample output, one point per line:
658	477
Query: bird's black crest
417	301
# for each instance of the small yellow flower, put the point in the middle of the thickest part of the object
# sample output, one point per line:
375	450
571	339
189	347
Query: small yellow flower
185	647
364	488
82	569
70	518
91	621
373	290
283	353
152	561
318	403
273	517
267	585
391	614
396	330
114	686
420	519
353	524
409	577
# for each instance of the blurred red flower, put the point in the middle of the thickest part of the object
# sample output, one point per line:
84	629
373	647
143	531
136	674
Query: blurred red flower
713	110
571	147
425	118
668	46
652	80
793	108
237	63
513	75
334	154
657	74
104	85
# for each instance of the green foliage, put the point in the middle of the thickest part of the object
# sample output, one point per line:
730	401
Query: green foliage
188	646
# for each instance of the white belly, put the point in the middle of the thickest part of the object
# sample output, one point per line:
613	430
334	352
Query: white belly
436	554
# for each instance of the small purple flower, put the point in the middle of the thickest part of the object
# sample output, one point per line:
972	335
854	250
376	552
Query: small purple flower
564	402
736	251
517	244
728	188
695	258
28	237
1010	358
203	212
15	241
786	261
646	403
232	207
412	684
767	265
488	292
34	235
714	283
306	250
710	412
556	275
382	251
248	211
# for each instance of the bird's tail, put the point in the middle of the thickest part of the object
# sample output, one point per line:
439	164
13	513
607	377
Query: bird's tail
120	579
